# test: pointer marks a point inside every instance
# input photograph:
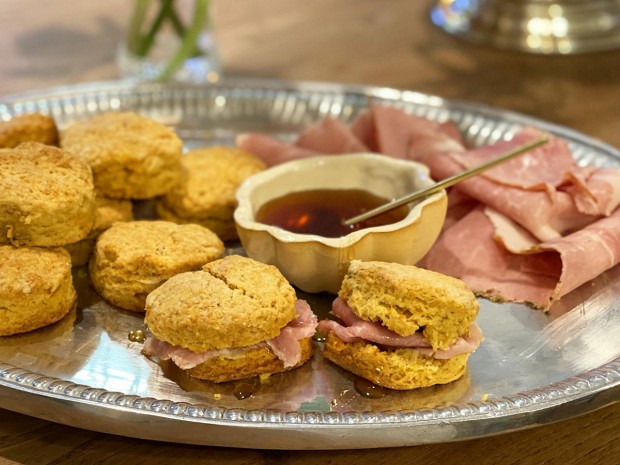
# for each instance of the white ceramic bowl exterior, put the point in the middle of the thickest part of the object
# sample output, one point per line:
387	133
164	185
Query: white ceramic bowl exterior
315	263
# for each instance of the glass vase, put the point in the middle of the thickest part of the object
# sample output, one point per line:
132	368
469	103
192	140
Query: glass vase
170	40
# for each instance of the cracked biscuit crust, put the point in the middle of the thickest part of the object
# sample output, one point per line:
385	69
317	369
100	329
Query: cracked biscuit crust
133	258
36	288
232	302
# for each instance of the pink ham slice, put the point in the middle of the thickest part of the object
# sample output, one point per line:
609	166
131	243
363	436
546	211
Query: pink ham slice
595	191
547	214
270	150
285	346
330	136
540	169
538	273
355	329
380	129
393	132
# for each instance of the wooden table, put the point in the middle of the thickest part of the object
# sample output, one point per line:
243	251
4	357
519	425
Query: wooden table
353	41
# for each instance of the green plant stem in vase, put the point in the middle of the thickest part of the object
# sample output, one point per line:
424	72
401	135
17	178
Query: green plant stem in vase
165	36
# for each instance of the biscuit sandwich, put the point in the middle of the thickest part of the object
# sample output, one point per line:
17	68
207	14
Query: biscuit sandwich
400	326
235	318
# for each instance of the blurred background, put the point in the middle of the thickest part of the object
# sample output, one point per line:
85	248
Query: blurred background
368	42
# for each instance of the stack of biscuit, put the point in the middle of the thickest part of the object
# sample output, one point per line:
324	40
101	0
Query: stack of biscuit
47	200
131	157
110	160
54	200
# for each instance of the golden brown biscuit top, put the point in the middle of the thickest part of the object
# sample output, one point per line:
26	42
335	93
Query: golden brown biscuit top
25	270
210	180
123	135
33	172
29	127
405	298
233	302
155	245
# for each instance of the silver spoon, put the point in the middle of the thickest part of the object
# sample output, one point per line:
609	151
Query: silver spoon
521	149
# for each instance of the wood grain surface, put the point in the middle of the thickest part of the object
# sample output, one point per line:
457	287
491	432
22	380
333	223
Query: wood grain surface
391	44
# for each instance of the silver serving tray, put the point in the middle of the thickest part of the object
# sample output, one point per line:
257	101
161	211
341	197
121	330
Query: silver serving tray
533	368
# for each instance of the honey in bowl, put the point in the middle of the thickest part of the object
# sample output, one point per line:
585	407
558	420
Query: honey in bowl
323	211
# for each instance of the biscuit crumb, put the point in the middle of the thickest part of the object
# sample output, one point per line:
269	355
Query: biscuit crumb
9	232
217	396
484	397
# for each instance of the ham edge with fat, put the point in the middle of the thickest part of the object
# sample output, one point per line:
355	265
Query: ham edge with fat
285	346
353	329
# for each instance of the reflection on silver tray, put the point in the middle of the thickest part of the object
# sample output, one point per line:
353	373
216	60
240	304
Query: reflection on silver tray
533	368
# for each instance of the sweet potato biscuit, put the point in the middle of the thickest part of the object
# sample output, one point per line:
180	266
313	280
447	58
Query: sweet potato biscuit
205	193
393	368
232	302
405	298
132	157
46	196
36	288
258	360
108	212
29	127
133	258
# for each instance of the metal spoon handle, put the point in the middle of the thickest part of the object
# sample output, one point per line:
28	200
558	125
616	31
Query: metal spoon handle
521	149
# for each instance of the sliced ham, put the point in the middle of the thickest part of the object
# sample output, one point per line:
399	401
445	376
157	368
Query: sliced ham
595	191
330	136
352	328
355	329
542	168
270	150
285	346
547	211
391	131
185	358
532	272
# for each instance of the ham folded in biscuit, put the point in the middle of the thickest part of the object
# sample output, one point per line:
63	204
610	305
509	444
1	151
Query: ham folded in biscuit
236	318
402	327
